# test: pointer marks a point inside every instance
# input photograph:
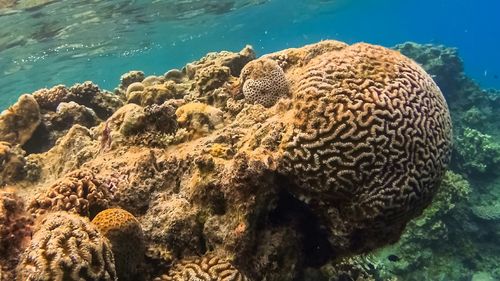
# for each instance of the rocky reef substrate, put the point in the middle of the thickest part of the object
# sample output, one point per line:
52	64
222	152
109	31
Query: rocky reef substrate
293	166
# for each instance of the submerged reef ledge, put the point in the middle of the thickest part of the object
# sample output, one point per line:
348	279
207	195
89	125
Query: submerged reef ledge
232	168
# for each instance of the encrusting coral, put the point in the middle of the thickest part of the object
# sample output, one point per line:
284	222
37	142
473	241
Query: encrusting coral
263	82
67	247
124	233
369	144
207	268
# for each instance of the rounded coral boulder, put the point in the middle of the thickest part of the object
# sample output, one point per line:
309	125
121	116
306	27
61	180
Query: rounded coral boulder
67	247
369	142
125	234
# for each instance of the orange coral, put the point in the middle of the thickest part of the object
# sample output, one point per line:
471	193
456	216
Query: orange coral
125	234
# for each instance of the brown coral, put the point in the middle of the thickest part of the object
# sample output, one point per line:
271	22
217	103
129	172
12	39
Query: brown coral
369	144
263	82
49	99
67	247
19	121
87	94
80	191
15	231
127	240
207	268
12	163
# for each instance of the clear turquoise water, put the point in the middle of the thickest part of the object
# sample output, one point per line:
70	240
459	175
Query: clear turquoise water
63	42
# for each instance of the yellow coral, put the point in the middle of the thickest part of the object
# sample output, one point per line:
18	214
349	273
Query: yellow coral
199	118
125	234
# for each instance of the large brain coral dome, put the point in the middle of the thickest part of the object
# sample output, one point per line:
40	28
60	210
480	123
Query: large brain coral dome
369	142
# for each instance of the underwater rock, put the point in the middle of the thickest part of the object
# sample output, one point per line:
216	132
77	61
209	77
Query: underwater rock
87	94
174	224
15	231
82	104
67	247
56	124
12	163
263	82
124	233
69	153
19	121
129	78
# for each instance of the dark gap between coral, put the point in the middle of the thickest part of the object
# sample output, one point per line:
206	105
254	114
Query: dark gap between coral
316	249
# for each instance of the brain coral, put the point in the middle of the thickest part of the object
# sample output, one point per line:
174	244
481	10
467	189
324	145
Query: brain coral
80	191
125	234
67	247
264	82
369	143
206	268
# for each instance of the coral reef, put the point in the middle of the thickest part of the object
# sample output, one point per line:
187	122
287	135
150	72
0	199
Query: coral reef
67	247
15	231
477	153
127	240
348	150
313	162
207	268
263	82
19	121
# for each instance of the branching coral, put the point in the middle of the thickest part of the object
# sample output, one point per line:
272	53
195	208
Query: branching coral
263	82
67	247
370	141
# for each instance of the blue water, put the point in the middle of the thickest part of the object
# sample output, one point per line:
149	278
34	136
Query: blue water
73	41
